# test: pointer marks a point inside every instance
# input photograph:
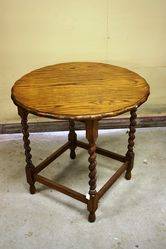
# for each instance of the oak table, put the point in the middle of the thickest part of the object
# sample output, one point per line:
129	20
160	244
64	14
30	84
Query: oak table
87	92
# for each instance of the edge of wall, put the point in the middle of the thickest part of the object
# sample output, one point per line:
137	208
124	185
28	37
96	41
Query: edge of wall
62	125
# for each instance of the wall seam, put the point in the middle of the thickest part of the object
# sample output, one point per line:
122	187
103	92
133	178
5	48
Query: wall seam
107	30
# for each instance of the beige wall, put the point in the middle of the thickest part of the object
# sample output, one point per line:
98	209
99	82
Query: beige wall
129	33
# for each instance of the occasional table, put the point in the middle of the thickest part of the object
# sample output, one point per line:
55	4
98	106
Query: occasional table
87	92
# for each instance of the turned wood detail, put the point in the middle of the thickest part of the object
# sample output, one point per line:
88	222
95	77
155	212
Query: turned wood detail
92	168
91	135
82	91
28	157
72	137
130	152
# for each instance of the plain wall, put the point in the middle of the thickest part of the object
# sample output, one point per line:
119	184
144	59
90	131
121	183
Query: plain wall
127	33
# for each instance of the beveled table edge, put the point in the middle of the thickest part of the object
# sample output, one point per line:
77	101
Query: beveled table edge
98	116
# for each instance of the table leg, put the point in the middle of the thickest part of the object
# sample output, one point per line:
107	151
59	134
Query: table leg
29	165
130	152
72	137
91	135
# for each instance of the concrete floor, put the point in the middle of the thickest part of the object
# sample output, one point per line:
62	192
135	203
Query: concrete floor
132	214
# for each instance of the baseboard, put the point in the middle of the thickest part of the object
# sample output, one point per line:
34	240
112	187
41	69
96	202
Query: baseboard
61	125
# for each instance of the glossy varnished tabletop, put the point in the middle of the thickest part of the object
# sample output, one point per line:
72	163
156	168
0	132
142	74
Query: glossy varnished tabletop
80	90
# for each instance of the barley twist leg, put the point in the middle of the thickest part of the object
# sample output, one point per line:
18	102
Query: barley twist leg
130	152
72	137
29	165
91	134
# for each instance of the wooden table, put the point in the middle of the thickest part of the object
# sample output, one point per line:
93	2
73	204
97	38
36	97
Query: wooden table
87	92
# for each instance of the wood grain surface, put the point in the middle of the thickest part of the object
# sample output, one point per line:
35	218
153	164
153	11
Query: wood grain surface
80	90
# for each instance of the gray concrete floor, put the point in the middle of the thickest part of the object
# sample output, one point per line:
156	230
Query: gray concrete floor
132	214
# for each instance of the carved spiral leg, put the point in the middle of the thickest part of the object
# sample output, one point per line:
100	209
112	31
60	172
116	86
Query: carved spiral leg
130	152
91	135
29	165
72	137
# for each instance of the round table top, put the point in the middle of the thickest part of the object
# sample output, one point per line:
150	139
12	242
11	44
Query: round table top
80	90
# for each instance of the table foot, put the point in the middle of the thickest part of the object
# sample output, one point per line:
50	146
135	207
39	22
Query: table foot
128	175
92	217
32	189
72	154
